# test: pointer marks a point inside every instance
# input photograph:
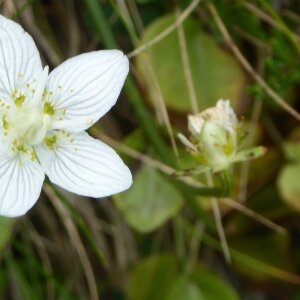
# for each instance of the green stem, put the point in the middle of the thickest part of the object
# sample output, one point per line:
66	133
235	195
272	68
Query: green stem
203	191
101	26
226	182
131	31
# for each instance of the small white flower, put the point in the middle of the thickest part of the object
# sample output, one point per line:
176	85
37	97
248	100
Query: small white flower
214	138
43	118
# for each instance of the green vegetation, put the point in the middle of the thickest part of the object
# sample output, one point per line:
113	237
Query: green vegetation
166	238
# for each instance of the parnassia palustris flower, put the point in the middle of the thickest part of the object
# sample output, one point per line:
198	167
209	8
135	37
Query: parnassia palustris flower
43	118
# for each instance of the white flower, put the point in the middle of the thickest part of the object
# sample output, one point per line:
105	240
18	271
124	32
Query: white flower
43	118
214	138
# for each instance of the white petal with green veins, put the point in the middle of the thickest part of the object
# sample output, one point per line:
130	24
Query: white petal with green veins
20	184
85	87
20	58
84	165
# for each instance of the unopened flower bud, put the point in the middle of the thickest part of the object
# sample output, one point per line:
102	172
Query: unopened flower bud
213	132
214	136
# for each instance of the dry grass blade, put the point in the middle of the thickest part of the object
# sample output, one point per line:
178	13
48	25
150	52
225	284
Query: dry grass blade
145	159
9	7
248	67
220	228
186	65
42	252
29	22
253	40
157	96
123	8
252	214
290	14
167	31
262	15
160	103
77	242
135	15
218	220
75	39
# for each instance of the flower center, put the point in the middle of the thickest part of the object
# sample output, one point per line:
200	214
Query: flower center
29	125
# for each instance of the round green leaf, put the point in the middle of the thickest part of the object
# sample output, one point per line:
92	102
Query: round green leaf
184	289
152	278
289	185
216	74
212	287
150	202
292	146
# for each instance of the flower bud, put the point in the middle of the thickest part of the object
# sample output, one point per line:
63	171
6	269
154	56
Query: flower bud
214	134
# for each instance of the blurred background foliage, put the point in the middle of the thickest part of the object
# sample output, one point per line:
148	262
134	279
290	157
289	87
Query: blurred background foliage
161	239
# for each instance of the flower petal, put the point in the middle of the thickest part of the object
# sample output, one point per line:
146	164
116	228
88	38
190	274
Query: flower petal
20	59
83	165
21	181
85	87
249	154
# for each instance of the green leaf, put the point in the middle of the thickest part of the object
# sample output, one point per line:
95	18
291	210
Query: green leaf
216	74
152	278
159	277
292	146
185	289
292	150
212	287
150	202
201	286
6	226
249	154
288	184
